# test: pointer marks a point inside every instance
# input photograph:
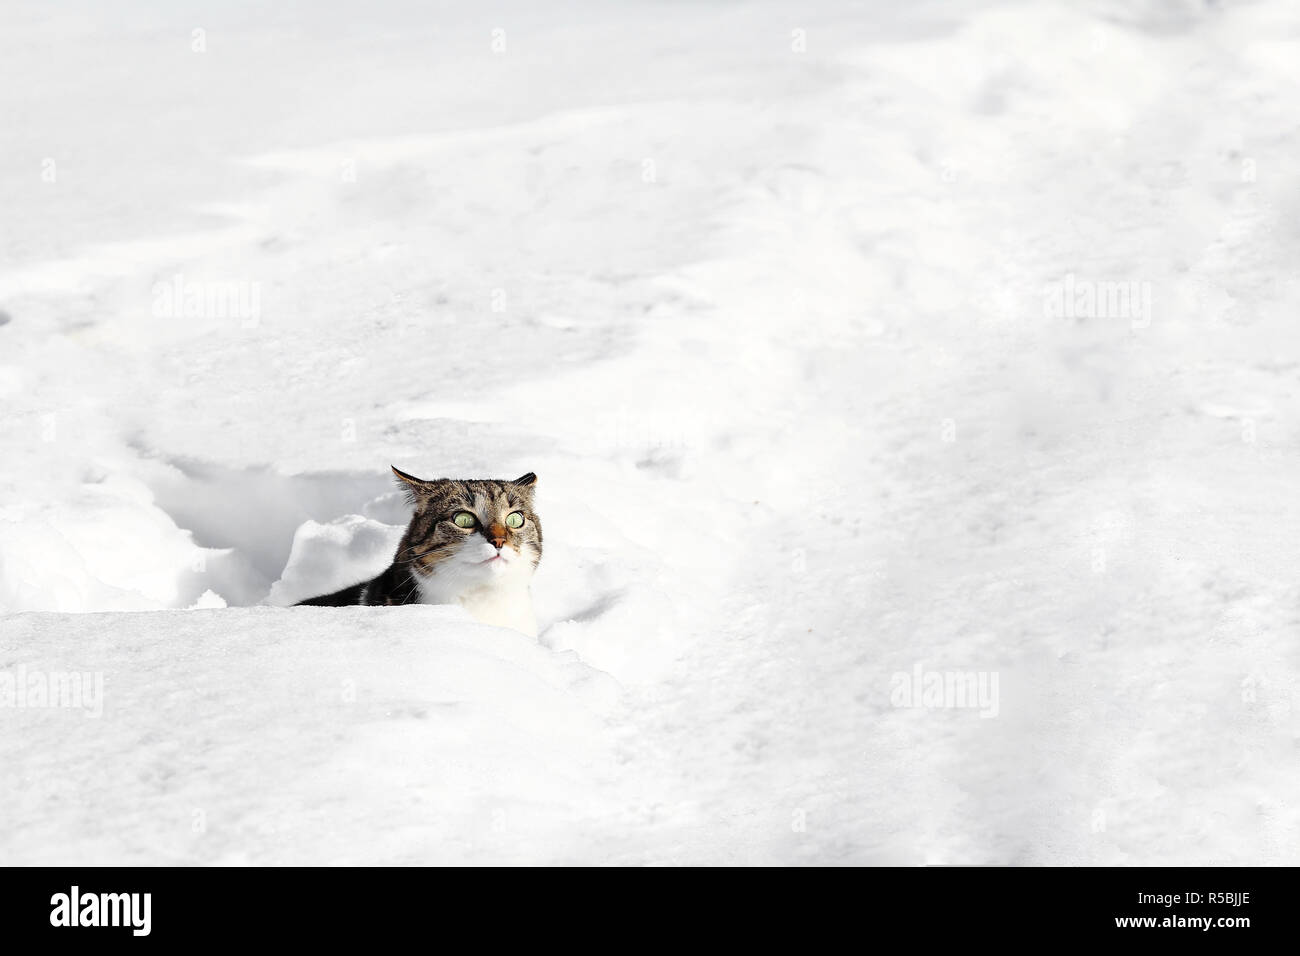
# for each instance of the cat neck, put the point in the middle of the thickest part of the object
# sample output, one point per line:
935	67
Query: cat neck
504	601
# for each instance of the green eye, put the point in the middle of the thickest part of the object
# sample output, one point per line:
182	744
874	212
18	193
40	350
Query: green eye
515	519
464	519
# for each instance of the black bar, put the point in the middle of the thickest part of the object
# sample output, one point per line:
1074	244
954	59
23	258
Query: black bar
944	905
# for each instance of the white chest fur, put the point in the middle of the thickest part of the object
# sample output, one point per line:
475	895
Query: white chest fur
496	593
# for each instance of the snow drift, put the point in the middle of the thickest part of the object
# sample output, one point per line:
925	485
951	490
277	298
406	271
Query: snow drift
866	355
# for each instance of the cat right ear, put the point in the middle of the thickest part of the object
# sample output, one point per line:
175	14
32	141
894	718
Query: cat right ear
415	487
525	481
409	479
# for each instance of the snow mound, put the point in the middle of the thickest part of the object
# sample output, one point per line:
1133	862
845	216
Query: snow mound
327	557
263	735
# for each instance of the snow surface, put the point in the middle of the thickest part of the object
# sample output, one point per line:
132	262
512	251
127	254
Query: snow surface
763	293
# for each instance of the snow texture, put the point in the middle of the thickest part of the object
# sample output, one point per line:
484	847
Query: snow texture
912	389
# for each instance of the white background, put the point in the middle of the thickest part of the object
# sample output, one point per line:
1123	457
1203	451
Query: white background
762	292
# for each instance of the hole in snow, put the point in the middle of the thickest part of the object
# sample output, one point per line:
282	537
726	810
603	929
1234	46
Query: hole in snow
249	517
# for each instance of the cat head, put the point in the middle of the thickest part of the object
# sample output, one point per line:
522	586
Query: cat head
475	528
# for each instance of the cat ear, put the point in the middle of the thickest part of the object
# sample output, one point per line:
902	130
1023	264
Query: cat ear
409	479
525	481
416	488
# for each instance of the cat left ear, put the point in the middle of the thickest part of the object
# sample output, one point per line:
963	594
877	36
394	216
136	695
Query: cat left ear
525	481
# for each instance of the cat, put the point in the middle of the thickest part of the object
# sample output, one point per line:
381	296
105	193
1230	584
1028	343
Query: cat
475	543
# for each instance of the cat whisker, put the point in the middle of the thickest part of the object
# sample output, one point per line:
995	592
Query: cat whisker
424	554
410	549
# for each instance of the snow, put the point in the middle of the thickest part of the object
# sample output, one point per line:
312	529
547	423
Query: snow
764	294
287	737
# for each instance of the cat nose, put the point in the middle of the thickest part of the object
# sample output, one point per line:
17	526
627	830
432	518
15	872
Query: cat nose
497	535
